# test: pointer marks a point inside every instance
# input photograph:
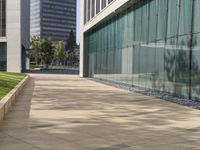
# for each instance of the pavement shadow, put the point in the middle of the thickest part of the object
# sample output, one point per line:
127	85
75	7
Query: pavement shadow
21	108
62	71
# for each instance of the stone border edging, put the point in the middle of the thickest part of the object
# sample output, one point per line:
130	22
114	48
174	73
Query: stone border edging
10	98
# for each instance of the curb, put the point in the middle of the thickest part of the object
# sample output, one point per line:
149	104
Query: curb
10	98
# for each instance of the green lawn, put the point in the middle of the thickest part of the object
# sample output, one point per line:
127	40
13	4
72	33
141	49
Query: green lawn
8	81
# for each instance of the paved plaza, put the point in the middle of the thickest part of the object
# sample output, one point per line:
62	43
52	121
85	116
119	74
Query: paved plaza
65	112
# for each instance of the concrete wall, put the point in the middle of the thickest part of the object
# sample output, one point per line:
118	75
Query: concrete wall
81	38
3	39
13	35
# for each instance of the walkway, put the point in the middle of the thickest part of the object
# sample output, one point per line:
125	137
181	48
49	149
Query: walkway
63	112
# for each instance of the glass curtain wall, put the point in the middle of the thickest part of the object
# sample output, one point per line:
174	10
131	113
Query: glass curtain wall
153	44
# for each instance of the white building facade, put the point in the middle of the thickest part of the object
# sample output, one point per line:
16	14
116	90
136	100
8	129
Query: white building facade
93	12
15	35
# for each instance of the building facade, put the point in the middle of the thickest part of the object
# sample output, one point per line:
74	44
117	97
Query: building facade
149	44
53	18
14	34
35	18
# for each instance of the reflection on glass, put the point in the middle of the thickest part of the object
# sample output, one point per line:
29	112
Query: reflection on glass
149	46
3	53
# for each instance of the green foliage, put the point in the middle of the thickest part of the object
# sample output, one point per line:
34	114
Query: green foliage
71	42
47	52
59	52
36	47
72	51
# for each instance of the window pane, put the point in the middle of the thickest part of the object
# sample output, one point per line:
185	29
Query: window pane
173	13
98	6
196	16
93	8
185	17
162	14
88	12
2	18
3	56
103	4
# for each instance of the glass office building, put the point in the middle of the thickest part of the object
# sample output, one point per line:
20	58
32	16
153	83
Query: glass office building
53	18
35	17
150	44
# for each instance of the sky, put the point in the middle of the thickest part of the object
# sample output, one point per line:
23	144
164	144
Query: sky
78	22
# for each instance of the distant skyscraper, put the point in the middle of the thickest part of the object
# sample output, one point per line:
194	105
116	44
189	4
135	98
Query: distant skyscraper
53	18
35	17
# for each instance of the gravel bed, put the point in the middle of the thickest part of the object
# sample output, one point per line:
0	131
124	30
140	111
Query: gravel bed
161	95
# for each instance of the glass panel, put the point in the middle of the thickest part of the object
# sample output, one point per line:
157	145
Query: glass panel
162	19
3	56
103	4
182	67
93	8
136	62
170	65
85	11
158	73
98	6
185	17
152	20
173	13
196	16
195	63
2	18
88	8
109	1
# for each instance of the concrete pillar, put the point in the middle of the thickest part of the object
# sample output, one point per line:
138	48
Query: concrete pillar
13	24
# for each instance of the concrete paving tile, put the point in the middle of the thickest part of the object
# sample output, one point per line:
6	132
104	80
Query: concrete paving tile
64	112
10	143
66	146
169	147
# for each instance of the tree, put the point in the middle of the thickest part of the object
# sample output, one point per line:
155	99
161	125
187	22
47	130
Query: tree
76	54
36	47
47	52
59	52
71	42
70	47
